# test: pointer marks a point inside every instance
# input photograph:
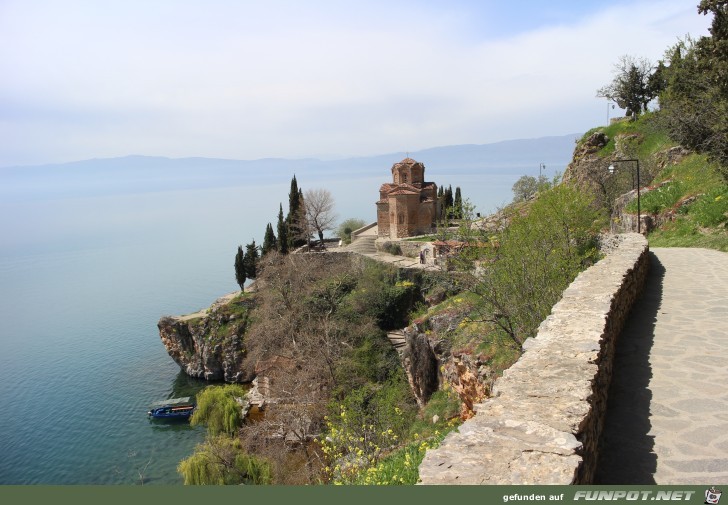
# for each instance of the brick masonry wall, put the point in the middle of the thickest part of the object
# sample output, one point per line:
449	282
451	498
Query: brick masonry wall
543	422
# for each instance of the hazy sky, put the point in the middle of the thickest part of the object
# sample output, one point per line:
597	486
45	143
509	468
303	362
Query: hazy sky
243	79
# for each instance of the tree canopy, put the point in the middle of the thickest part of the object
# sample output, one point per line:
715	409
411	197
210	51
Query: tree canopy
221	460
218	410
630	88
345	228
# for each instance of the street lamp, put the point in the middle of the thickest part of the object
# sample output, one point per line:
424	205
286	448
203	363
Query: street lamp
541	166
639	213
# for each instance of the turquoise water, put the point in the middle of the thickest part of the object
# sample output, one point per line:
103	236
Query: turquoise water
83	282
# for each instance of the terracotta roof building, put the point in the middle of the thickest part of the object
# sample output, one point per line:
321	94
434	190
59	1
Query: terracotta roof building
408	205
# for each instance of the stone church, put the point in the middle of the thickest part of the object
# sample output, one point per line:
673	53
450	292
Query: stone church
408	205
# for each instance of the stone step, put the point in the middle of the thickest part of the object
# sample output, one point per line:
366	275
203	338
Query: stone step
363	245
397	339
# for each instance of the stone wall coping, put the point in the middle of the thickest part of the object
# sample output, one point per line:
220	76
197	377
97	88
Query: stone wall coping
543	421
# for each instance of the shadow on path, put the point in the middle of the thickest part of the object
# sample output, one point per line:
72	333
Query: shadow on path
626	449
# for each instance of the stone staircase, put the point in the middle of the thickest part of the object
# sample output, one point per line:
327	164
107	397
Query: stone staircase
397	339
363	245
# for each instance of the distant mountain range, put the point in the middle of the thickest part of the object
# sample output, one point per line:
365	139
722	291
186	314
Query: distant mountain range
98	177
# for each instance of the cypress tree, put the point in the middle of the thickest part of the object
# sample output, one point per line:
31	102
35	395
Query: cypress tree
302	238
448	197
282	232
293	218
269	241
447	203
441	201
240	268
458	204
250	261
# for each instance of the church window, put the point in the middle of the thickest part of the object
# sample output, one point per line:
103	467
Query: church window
400	219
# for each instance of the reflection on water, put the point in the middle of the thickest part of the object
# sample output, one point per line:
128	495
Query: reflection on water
184	385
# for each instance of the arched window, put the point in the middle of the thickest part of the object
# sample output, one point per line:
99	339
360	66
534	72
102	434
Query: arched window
400	219
404	178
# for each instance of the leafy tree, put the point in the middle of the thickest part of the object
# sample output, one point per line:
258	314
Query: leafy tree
527	186
348	226
319	209
250	261
535	258
269	240
218	410
221	460
240	276
694	101
282	232
630	88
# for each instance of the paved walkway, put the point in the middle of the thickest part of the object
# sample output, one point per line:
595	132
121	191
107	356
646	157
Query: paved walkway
364	245
667	421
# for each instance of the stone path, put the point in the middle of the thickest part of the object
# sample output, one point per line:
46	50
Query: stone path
365	246
667	421
223	300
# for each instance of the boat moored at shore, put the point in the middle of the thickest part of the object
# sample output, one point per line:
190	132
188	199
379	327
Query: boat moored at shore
173	408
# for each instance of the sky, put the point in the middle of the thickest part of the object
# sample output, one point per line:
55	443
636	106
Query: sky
317	78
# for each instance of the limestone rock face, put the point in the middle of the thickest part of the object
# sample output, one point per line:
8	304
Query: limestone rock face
421	364
209	344
430	361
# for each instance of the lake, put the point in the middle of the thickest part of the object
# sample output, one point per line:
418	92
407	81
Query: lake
84	277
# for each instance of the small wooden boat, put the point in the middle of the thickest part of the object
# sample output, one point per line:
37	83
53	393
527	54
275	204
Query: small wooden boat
173	408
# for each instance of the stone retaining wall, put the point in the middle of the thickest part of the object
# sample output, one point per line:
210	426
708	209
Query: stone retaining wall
543	423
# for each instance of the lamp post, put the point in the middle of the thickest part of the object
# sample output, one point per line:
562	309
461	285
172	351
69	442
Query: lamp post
639	213
541	166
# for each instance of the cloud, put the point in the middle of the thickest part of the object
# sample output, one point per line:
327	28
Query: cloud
283	78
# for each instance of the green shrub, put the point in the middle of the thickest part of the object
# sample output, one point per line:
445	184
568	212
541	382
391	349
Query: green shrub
369	422
711	209
381	296
535	258
392	248
663	198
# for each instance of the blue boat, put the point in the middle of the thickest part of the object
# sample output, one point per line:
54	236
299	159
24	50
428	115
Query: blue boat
173	408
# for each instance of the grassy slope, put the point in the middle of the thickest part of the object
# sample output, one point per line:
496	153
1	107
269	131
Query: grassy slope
700	223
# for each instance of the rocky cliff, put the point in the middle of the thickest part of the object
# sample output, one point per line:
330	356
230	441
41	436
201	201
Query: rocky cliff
431	361
210	344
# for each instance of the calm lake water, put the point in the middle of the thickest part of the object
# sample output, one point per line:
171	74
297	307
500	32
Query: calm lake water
83	282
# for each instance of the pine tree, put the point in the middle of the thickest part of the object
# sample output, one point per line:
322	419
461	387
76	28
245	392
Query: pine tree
282	232
240	268
269	241
250	261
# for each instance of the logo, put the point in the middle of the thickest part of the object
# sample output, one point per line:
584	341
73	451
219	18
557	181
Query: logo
712	496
